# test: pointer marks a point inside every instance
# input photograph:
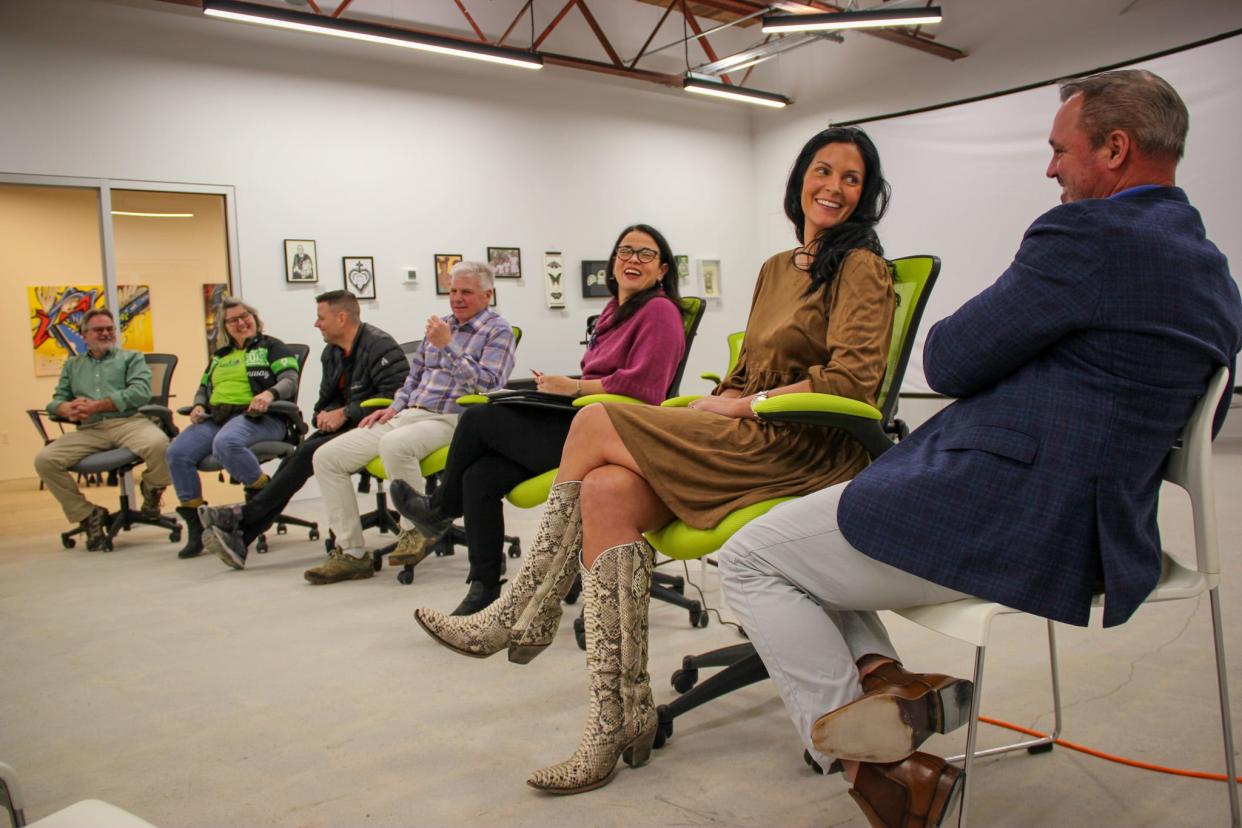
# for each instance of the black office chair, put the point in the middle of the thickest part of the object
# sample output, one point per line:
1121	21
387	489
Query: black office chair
267	450
122	462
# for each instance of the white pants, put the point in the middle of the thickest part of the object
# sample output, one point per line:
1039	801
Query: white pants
401	443
807	600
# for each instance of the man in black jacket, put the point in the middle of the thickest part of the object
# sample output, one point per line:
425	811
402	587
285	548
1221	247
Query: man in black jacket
359	362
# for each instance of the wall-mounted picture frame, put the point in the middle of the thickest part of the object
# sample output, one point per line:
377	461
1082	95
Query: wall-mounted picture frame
709	273
554	278
301	261
444	264
507	262
683	267
359	274
594	279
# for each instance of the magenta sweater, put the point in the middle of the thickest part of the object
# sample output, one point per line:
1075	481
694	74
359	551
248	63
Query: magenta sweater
639	357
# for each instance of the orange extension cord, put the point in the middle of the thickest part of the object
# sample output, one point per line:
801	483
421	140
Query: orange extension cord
1099	754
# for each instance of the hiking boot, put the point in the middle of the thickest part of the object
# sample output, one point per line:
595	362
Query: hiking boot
96	529
412	547
340	567
151	498
229	546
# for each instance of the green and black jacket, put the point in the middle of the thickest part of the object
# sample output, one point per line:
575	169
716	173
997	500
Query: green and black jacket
270	366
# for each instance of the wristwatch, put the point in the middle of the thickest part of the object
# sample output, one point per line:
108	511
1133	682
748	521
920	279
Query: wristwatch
755	400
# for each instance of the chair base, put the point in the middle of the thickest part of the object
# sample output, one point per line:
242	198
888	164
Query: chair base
283	522
446	545
742	668
122	520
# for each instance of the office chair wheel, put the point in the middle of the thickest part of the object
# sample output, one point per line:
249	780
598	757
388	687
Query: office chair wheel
815	766
1040	749
405	576
515	550
281	529
174	537
664	730
580	633
330	542
314	534
684	680
67	542
698	618
260	545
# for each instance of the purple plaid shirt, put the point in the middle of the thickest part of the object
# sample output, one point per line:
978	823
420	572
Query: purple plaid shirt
477	359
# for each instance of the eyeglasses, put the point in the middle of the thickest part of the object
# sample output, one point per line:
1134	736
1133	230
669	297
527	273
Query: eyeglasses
102	330
236	320
644	254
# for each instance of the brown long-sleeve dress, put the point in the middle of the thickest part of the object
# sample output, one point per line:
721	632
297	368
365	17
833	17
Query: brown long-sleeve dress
705	465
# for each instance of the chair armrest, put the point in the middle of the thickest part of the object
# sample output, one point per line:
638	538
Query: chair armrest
861	421
680	402
376	402
711	377
290	411
587	399
473	399
162	415
185	410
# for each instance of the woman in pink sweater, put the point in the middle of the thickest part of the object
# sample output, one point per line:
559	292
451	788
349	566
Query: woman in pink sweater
638	342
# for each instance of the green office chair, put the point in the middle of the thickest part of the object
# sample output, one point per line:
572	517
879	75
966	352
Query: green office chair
735	348
876	429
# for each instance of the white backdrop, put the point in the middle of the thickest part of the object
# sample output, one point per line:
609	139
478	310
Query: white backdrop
969	179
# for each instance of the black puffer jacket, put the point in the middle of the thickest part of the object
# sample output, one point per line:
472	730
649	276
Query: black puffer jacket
376	367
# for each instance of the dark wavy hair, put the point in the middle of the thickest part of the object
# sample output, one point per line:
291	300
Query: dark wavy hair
858	231
667	284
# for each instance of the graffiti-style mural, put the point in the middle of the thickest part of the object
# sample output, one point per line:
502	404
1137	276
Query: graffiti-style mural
56	313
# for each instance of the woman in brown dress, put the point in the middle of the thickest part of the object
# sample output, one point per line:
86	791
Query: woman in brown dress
820	321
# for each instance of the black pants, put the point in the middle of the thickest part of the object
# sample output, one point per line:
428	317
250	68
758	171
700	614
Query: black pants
261	511
495	447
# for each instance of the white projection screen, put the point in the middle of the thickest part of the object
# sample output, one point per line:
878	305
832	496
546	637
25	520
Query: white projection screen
968	179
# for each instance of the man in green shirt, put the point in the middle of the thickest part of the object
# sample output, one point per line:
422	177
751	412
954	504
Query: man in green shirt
101	391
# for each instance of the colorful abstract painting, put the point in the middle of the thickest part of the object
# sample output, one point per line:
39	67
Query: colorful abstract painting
213	297
56	312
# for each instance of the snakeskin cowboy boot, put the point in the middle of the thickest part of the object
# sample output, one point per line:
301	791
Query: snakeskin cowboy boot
538	583
622	722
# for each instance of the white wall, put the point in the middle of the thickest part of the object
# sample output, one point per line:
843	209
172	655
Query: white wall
393	156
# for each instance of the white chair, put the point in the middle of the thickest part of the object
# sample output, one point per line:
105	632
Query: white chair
89	813
970	620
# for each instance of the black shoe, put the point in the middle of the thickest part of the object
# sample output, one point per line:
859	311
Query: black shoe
193	531
417	509
480	596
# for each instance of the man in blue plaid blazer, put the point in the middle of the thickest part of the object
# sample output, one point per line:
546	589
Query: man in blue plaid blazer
1037	488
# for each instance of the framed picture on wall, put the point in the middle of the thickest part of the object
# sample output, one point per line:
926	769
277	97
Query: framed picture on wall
594	279
301	261
359	275
683	267
444	264
709	272
507	261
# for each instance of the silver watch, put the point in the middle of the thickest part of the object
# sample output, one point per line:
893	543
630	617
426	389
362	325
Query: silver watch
755	400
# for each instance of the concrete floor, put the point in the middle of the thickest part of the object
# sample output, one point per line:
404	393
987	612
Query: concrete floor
194	695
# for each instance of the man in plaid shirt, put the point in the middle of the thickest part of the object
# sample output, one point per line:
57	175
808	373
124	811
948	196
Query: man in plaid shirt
469	351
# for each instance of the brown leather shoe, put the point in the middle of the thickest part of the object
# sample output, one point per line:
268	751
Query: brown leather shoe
918	792
896	714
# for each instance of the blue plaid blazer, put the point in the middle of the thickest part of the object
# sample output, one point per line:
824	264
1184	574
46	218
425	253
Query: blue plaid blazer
1074	373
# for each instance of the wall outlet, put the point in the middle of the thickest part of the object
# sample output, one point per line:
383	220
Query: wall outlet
411	274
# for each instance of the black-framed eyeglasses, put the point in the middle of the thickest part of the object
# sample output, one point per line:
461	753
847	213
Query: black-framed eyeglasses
644	254
237	320
102	330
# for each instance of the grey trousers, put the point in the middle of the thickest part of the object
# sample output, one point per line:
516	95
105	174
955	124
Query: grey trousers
808	601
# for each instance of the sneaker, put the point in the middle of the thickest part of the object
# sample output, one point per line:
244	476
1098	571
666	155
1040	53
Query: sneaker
226	517
227	545
417	508
95	527
340	567
411	548
151	499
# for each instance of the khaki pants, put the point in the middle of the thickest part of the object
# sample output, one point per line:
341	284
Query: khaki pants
136	433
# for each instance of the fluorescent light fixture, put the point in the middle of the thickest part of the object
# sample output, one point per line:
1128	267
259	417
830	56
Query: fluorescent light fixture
866	19
703	86
369	32
152	215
